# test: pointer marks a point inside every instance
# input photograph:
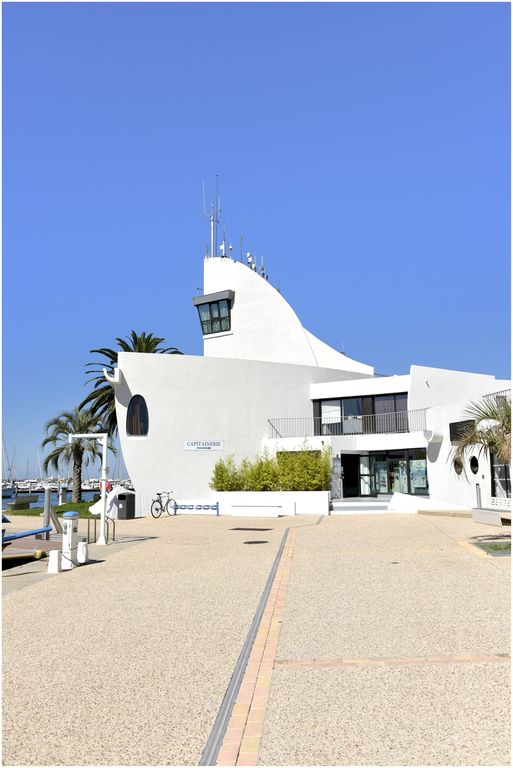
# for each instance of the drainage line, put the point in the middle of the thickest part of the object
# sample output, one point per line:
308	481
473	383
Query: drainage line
218	731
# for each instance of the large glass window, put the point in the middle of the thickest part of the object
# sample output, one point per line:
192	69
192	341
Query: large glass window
391	413
365	481
418	472
501	482
215	316
374	414
330	417
402	471
137	421
352	413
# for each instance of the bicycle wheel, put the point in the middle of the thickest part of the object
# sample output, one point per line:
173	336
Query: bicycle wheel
156	508
171	507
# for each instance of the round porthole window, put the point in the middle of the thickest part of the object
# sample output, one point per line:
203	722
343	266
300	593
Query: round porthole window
474	465
458	466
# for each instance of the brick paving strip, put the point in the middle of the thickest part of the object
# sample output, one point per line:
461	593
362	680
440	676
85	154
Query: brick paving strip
241	743
392	660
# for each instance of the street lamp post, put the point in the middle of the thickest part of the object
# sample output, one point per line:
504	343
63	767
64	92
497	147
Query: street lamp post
100	437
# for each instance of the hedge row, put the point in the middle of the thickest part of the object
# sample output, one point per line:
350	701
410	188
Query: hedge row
303	470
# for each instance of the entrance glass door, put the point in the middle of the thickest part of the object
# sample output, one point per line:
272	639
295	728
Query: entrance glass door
378	471
398	476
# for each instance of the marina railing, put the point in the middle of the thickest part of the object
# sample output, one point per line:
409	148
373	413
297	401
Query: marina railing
375	424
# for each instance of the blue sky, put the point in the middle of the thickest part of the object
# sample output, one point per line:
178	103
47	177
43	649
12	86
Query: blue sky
363	151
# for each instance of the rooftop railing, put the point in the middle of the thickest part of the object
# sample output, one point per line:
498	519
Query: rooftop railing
375	424
502	393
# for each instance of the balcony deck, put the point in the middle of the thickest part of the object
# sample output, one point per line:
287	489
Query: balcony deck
376	424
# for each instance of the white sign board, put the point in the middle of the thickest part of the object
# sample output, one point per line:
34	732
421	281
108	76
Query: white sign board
203	445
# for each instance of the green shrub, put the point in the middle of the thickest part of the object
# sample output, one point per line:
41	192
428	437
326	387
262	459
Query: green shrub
226	476
304	470
263	474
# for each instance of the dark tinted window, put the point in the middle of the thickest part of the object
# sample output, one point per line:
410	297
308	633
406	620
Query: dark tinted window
215	316
137	421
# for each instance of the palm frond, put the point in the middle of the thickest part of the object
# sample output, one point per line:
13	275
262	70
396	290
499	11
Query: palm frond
489	430
101	399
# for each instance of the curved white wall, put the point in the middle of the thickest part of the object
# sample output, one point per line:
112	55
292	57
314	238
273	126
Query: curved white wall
264	326
196	398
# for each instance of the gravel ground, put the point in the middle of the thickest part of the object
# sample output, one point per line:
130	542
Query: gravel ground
411	715
385	586
126	661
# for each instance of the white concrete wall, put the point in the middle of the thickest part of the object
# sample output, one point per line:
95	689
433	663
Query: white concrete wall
438	386
197	398
263	325
273	503
378	385
403	502
444	484
349	443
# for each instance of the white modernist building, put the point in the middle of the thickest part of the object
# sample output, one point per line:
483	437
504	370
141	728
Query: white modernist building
266	382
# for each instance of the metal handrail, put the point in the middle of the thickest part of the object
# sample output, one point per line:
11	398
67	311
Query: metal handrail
374	424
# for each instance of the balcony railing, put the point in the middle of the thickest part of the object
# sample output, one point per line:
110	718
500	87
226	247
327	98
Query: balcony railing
376	424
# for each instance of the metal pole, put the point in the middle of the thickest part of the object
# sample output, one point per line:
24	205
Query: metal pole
100	437
101	537
211	231
46	513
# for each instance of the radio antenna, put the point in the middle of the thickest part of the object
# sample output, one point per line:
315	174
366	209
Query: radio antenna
218	210
213	218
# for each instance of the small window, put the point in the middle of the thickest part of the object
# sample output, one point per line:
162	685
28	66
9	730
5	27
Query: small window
137	421
474	465
215	316
458	465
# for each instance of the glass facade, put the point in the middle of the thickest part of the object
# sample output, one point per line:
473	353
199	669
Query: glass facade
396	471
375	414
215	317
501	480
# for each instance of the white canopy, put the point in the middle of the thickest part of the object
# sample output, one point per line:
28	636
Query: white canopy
112	503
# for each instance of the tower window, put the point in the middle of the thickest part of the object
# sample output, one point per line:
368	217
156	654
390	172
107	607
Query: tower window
215	311
137	421
215	317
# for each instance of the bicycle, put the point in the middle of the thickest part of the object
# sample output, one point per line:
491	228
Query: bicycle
158	506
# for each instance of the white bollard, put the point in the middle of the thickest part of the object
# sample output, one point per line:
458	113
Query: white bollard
54	561
63	496
82	553
69	540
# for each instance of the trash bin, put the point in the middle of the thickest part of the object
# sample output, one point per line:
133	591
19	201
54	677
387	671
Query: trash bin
126	506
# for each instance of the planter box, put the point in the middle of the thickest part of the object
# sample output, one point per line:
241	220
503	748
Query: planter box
272	503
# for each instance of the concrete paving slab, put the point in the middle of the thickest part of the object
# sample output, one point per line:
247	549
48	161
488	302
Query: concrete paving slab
141	647
403	715
384	588
132	656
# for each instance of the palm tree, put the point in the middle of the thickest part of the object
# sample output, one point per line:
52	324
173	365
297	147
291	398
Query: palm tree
101	400
77	452
489	429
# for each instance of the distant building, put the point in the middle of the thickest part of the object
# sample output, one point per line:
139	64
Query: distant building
266	382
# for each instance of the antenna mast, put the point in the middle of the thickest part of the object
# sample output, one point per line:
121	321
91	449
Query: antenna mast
218	210
213	218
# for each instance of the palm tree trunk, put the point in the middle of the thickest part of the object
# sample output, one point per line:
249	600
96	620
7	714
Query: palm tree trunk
76	496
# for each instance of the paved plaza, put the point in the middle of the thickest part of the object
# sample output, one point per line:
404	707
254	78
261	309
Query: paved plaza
384	641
